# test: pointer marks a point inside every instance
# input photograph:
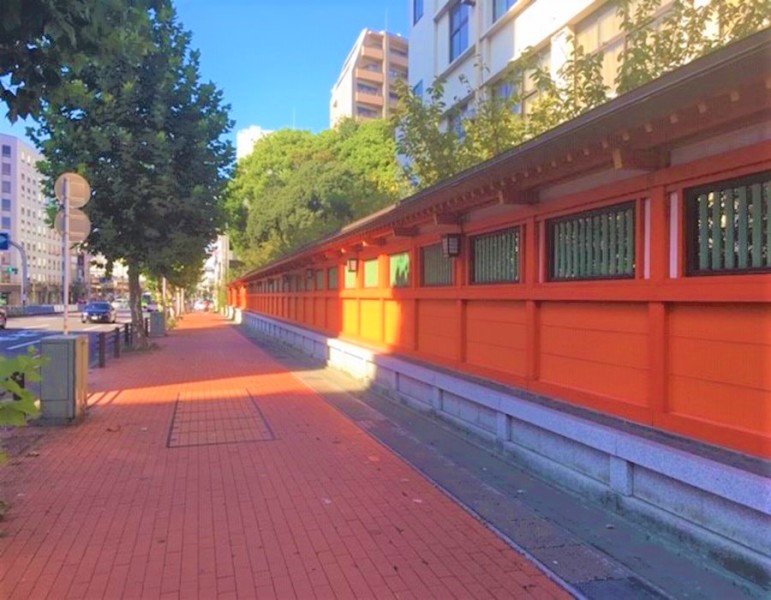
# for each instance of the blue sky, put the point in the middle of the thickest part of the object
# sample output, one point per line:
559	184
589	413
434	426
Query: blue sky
276	62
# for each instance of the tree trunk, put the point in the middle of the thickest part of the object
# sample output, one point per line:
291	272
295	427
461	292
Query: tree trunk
135	303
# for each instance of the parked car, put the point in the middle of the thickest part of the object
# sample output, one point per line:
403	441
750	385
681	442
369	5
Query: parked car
120	304
98	311
3	318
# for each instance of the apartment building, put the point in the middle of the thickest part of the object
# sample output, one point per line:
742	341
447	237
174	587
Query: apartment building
365	89
23	216
477	40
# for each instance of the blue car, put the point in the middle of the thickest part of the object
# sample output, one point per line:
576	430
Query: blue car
102	312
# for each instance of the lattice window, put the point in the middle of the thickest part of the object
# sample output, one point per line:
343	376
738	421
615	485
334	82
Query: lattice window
399	265
436	269
597	244
496	257
728	227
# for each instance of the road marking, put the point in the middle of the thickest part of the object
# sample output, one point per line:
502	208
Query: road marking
22	345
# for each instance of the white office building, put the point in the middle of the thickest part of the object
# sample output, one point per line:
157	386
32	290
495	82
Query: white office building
23	216
477	40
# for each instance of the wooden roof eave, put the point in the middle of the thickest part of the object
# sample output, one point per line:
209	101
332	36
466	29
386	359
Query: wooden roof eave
730	67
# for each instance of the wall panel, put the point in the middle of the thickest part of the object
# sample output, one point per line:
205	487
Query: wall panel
437	328
600	348
495	335
720	364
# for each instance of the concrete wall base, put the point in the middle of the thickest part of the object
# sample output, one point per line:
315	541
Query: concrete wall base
715	501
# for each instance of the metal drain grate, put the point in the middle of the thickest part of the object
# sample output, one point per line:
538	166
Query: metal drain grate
222	420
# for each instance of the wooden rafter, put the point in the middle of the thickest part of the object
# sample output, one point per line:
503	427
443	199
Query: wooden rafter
648	160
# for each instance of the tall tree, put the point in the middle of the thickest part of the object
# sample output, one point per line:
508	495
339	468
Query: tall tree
433	149
41	40
146	133
296	186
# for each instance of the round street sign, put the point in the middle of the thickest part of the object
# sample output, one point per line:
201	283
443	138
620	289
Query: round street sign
78	190
80	225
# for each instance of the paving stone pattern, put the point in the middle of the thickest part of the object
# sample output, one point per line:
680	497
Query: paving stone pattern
206	470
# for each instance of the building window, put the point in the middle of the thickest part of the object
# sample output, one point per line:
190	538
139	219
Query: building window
417	10
6	206
455	120
319	274
399	266
597	244
333	278
496	257
729	227
436	268
6	168
6	187
371	273
6	150
530	92
417	89
458	30
350	279
6	223
601	33
500	7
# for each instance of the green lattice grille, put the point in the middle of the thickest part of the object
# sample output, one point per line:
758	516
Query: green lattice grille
437	268
333	277
400	269
729	228
496	257
371	273
350	279
594	245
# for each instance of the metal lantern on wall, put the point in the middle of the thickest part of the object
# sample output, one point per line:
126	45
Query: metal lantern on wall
451	244
352	264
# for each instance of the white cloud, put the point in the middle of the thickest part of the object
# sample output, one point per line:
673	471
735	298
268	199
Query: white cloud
246	138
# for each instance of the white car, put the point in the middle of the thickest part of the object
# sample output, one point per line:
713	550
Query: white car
120	304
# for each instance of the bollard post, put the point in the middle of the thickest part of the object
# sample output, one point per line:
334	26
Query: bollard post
102	349
126	336
130	330
116	350
147	327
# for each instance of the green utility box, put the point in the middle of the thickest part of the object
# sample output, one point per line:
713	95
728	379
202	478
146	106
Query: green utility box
64	385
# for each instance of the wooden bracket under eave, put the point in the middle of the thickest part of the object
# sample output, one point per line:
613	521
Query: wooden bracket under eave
405	231
446	219
517	196
647	160
374	241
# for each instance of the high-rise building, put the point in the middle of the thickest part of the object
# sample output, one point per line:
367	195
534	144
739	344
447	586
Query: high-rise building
365	88
471	44
23	217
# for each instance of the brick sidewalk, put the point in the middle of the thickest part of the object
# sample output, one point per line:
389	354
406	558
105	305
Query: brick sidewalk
206	470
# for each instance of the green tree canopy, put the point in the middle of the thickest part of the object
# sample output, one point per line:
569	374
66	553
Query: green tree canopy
297	186
42	40
146	133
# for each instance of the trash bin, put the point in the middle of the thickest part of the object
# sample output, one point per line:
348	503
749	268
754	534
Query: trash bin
64	378
157	324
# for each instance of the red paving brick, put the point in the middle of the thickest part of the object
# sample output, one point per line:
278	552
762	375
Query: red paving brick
206	470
